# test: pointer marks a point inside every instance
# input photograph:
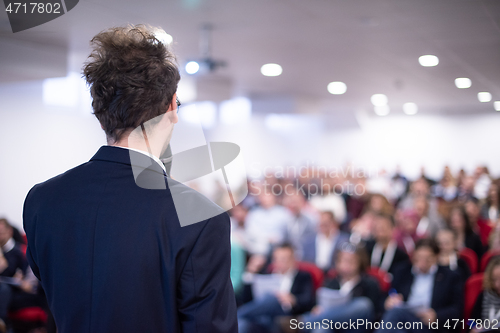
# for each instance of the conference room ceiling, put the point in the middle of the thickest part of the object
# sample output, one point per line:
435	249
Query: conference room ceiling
371	45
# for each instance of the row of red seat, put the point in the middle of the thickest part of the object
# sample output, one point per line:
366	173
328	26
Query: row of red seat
32	314
470	258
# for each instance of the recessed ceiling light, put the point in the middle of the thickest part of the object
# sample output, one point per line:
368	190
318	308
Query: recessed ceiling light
484	96
271	70
379	99
337	88
192	67
496	105
428	60
463	82
410	108
382	110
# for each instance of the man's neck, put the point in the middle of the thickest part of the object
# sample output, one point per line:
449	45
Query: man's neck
384	243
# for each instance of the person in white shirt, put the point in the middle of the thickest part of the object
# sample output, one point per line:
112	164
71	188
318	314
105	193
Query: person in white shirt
321	248
329	200
302	226
266	225
293	295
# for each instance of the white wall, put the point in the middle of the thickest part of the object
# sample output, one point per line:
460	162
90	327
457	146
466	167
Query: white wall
379	142
38	142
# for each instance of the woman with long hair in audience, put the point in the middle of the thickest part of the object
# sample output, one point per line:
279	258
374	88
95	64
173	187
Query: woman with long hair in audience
466	237
486	311
406	229
350	279
379	204
491	208
448	254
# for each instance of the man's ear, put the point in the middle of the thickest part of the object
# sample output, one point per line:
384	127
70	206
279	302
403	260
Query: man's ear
173	103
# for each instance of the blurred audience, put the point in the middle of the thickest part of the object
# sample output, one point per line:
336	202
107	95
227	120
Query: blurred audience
321	248
406	230
383	250
466	237
448	254
329	200
491	207
266	225
19	287
350	278
294	296
303	224
423	292
481	226
487	306
356	229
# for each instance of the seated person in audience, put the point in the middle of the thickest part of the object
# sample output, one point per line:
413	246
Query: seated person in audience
17	282
406	230
303	224
379	204
365	296
328	200
430	221
295	295
266	224
320	249
383	251
238	215
466	237
491	208
423	292
486	310
362	228
481	226
447	240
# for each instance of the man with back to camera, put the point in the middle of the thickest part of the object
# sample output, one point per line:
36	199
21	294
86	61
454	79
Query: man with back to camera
111	254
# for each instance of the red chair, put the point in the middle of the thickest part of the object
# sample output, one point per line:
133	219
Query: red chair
487	257
470	257
28	319
31	317
473	287
383	278
315	271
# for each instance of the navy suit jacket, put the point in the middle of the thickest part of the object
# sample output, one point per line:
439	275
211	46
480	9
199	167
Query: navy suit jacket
112	256
447	295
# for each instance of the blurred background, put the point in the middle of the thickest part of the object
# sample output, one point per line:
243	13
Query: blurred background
393	103
294	118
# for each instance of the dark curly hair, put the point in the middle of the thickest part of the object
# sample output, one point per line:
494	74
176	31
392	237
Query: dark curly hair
132	77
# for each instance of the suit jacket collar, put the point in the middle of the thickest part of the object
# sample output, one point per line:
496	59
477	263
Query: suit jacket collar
128	157
439	281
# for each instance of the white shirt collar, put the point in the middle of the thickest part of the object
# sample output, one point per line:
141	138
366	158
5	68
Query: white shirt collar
9	245
156	159
431	271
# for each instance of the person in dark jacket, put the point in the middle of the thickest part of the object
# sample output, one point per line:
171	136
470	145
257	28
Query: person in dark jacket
118	245
351	280
466	237
384	252
295	295
486	310
448	256
423	293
